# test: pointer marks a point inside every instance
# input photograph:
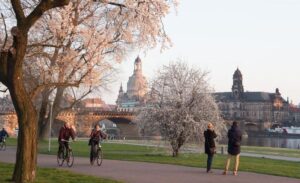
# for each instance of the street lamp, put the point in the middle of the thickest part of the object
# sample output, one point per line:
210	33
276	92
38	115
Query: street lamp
50	125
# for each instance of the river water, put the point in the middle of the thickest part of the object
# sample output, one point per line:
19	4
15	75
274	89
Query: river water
291	143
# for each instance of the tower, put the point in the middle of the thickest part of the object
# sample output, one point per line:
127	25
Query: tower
138	65
137	84
237	87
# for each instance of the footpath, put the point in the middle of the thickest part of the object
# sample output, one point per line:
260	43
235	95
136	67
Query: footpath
137	172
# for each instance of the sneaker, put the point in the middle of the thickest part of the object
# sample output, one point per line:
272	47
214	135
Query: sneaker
224	173
209	171
235	173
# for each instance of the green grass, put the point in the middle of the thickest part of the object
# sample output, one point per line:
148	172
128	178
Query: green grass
47	175
295	153
160	155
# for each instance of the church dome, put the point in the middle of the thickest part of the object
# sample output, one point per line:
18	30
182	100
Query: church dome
137	84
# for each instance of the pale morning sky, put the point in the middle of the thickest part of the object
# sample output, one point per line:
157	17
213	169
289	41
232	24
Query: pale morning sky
261	37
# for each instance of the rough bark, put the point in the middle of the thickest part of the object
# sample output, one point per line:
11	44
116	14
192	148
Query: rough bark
43	117
44	121
11	75
26	157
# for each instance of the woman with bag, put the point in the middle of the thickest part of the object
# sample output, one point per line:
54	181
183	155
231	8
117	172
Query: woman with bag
210	146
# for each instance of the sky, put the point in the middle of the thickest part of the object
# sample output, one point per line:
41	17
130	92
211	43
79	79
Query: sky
260	37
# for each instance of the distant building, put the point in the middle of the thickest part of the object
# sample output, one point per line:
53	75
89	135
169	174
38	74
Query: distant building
136	90
294	114
257	107
95	104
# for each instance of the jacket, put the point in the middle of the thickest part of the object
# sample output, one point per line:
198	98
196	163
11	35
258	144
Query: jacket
96	136
234	140
66	133
209	136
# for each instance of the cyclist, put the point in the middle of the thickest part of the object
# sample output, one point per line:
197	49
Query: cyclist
65	133
3	134
96	135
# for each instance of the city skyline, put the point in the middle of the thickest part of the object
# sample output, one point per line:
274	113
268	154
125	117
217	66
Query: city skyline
261	38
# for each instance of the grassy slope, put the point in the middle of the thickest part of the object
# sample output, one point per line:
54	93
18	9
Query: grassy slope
46	175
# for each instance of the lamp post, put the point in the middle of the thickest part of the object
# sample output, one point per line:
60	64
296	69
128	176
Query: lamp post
50	125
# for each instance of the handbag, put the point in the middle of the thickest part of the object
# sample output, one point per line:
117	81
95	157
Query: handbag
212	150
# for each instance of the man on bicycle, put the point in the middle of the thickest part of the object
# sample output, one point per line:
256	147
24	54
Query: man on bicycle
95	138
65	133
3	134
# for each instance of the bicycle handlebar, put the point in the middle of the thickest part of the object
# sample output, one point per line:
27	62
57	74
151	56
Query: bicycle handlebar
63	140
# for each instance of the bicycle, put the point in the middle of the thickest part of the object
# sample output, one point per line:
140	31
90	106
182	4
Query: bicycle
63	156
98	155
3	144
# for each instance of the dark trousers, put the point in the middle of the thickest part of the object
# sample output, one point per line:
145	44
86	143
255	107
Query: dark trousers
210	158
94	148
63	145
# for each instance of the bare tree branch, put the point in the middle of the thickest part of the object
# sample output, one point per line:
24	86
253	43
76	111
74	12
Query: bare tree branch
5	39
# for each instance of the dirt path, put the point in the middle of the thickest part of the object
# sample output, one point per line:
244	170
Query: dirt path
136	172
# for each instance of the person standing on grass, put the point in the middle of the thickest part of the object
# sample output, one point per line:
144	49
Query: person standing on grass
210	146
234	147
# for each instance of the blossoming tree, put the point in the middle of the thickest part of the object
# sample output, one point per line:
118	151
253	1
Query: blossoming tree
180	106
132	22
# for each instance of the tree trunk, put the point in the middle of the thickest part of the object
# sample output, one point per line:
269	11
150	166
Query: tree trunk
44	128
43	117
26	156
175	152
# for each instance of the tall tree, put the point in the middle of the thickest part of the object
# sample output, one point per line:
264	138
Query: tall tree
141	26
180	105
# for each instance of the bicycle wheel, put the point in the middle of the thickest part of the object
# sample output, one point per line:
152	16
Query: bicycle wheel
70	159
99	157
60	157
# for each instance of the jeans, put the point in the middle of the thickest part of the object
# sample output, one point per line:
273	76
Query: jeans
210	158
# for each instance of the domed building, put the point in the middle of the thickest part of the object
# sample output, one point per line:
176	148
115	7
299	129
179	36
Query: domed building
136	90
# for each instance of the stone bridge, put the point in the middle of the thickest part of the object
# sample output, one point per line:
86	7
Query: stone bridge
83	121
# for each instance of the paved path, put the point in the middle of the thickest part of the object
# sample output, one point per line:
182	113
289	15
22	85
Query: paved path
136	172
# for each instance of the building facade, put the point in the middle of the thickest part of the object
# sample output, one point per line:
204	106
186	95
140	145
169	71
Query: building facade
137	85
260	108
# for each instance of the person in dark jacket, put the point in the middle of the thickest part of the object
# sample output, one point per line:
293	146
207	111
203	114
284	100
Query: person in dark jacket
234	147
65	133
210	145
95	138
3	134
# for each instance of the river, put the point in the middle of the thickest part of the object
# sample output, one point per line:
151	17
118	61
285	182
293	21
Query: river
291	143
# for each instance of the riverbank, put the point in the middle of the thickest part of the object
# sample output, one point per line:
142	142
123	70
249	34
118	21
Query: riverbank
272	134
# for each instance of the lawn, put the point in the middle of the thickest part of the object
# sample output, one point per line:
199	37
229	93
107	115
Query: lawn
140	153
46	175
